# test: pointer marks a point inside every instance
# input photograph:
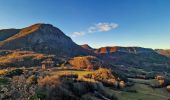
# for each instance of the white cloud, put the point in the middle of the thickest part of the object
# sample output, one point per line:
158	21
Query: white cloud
102	27
99	27
76	34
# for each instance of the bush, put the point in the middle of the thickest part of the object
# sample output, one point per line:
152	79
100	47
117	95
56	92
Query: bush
105	76
50	81
32	79
14	72
42	96
168	88
122	84
3	72
4	80
80	88
61	93
102	74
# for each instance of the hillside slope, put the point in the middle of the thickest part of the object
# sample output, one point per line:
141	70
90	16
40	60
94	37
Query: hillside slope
138	57
6	33
43	38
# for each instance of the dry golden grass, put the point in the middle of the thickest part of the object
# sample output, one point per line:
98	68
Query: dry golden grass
85	62
3	72
49	81
19	56
102	74
24	32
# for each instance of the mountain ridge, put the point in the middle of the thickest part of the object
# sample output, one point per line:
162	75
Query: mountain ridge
47	39
43	38
112	49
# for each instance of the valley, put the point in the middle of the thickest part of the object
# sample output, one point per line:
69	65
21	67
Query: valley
40	62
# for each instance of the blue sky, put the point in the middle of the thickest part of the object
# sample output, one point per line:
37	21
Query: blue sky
144	23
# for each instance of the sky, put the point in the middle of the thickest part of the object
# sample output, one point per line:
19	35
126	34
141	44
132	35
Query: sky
99	23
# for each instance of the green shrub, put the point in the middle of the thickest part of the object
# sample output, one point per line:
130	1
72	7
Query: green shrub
33	97
42	96
4	80
14	72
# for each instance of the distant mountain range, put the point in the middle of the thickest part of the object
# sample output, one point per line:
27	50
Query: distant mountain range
132	57
164	52
47	39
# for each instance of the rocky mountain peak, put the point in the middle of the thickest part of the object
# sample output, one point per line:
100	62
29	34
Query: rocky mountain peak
43	38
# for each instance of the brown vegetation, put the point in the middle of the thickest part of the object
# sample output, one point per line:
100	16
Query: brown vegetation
168	88
21	58
105	76
85	62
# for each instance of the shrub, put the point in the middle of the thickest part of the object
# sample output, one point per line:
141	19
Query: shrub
168	88
105	76
61	93
3	72
102	74
122	84
32	79
161	81
14	72
57	87
41	95
51	81
4	80
20	90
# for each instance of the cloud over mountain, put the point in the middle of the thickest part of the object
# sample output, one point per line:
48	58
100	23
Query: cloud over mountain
102	27
99	27
75	34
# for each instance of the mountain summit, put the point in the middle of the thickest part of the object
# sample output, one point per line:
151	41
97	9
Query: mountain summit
44	38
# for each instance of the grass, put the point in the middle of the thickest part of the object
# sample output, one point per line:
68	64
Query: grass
90	96
78	72
143	81
144	92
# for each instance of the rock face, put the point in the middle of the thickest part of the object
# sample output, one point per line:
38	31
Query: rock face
163	52
134	50
114	49
43	38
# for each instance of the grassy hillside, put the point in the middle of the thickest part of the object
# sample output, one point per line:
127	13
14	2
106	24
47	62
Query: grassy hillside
143	92
19	58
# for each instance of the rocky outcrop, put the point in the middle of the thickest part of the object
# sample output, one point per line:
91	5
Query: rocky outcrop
134	50
163	52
